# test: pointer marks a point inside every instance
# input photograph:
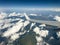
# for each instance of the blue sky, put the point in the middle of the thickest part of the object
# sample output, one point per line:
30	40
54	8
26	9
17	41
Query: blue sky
30	3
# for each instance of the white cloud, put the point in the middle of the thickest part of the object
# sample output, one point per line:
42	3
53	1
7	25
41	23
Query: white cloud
18	13
2	15
14	37
57	18
47	9
1	21
33	14
36	30
51	37
43	33
6	25
26	23
13	14
50	15
21	33
14	29
32	25
58	33
56	9
39	39
28	30
42	25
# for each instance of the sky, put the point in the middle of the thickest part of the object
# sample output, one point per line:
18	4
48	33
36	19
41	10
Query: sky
30	3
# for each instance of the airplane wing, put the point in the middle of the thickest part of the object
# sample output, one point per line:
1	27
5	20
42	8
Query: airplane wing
53	23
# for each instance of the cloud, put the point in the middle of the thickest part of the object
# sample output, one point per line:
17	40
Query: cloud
16	14
50	15
3	15
17	35
13	14
1	22
51	38
21	33
16	27
6	25
39	39
57	18
42	25
58	33
32	25
36	30
13	30
33	14
40	9
14	37
26	23
43	33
